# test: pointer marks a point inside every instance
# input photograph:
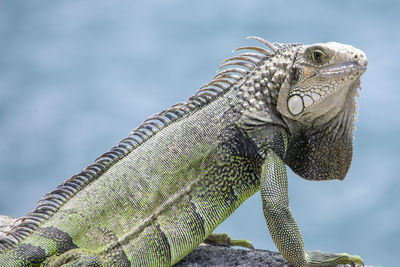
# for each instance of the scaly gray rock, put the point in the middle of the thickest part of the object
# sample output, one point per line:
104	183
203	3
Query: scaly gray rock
205	255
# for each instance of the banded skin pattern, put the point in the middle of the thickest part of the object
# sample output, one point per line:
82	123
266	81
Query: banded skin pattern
162	190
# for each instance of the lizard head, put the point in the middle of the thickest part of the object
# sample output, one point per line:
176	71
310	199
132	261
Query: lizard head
316	101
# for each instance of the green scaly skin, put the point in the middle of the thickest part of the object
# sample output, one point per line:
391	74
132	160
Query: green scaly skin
163	190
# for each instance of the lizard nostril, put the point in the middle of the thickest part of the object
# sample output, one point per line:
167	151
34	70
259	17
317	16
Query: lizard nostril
361	59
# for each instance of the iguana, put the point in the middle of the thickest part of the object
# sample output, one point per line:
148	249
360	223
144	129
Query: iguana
162	190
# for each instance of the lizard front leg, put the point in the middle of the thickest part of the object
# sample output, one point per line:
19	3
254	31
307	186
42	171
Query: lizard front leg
282	224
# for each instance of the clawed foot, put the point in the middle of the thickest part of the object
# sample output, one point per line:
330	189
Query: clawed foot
353	260
225	240
319	258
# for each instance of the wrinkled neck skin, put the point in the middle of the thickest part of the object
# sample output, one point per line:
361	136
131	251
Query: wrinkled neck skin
322	149
319	149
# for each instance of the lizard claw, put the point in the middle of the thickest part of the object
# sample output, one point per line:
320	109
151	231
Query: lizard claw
354	260
225	240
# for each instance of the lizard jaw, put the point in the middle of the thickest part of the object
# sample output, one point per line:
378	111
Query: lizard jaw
347	67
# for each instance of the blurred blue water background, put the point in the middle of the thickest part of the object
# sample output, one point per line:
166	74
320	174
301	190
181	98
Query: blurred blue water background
77	76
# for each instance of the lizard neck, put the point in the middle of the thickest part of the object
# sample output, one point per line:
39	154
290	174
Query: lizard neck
256	102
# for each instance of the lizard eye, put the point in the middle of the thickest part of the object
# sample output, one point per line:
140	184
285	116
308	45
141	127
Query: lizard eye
317	55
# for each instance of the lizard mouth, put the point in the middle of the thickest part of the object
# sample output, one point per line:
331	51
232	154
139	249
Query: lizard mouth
347	67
